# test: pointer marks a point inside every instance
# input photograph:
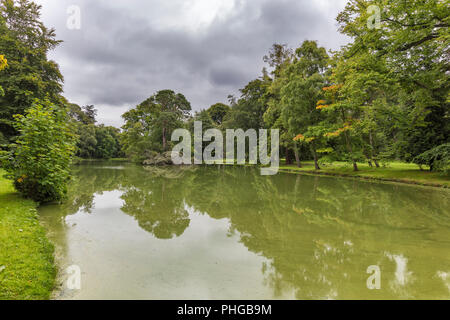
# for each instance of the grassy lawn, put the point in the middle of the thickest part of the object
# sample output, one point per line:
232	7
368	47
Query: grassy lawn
26	256
395	171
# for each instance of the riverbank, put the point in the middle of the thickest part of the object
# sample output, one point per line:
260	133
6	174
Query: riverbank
27	270
393	172
398	172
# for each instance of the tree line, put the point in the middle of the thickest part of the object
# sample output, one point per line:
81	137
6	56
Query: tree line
383	96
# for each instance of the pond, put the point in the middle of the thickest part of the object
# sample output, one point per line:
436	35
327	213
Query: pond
229	233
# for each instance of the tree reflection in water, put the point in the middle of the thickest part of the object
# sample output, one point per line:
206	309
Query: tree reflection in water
319	235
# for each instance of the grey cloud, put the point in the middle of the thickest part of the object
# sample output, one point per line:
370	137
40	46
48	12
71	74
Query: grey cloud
226	77
121	55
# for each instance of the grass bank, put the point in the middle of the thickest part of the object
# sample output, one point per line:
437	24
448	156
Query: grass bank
27	270
393	172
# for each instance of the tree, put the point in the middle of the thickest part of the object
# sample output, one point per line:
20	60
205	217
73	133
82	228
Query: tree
248	112
437	158
173	107
343	118
30	75
136	138
39	161
279	56
272	115
218	112
413	41
76	113
91	114
148	126
95	141
204	117
107	142
87	141
301	89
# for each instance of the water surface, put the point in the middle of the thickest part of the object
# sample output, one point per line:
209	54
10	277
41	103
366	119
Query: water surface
229	233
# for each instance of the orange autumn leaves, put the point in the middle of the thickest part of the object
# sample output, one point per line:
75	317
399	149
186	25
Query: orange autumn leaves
332	91
3	62
302	138
333	88
22	178
3	65
337	133
322	104
334	134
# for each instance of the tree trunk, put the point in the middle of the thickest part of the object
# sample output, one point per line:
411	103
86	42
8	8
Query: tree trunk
372	149
349	145
164	139
350	150
376	163
316	161
288	156
297	156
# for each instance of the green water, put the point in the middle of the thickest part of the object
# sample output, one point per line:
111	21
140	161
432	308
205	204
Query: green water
229	233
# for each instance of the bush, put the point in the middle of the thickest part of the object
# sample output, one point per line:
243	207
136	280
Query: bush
437	158
39	161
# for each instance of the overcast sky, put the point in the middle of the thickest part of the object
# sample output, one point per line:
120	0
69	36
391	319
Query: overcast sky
126	50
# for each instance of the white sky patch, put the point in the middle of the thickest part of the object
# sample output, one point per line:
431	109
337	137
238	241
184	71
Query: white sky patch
199	14
330	6
108	115
187	15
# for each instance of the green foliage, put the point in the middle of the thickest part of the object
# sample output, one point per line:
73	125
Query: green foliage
437	158
82	114
39	161
98	142
94	141
25	41
205	118
172	109
279	56
90	113
107	142
87	142
412	42
301	88
218	112
248	111
148	127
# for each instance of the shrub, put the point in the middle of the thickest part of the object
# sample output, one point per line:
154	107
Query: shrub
437	158
39	161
